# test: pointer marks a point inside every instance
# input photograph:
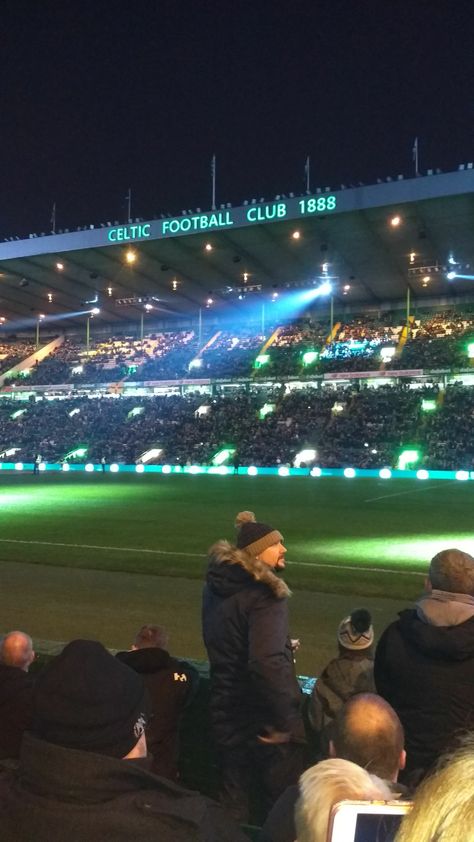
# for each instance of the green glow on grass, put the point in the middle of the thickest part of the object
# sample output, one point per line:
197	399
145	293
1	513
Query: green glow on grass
405	550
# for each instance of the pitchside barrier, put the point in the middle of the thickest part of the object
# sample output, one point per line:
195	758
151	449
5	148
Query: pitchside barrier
251	470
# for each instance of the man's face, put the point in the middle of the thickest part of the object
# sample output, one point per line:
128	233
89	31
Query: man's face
274	556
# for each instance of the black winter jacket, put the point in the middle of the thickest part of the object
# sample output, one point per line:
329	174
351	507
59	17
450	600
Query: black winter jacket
245	627
171	685
63	794
16	707
426	672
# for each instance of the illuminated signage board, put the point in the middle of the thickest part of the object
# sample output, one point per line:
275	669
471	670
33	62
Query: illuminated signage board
220	220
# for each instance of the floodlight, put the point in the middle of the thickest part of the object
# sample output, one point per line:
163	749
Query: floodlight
462	475
325	288
349	473
451	275
252	471
196	363
140	469
316	472
266	409
422	474
130	256
395	221
407	457
95	311
114	468
385	473
306	455
89	467
283	471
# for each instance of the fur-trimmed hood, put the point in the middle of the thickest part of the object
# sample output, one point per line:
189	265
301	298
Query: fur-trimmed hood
230	569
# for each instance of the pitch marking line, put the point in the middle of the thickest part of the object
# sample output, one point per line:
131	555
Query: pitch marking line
201	555
399	493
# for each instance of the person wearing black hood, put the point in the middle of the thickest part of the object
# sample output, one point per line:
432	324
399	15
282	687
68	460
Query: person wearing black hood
424	662
255	697
171	684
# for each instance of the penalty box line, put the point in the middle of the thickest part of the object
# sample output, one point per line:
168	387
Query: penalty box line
201	555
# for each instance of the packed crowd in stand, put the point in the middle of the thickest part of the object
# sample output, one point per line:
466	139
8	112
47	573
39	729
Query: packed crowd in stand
369	343
12	352
351	426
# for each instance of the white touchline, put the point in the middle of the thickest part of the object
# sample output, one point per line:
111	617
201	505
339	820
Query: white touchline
399	493
203	555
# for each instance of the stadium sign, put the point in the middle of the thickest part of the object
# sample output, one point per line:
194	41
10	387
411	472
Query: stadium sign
218	220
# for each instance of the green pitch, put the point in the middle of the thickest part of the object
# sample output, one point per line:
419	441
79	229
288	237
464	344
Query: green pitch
361	536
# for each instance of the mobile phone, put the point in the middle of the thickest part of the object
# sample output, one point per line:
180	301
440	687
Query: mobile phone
366	821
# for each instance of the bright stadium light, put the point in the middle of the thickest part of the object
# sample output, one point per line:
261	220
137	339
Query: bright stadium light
462	475
385	473
266	409
140	469
316	472
325	288
196	363
150	454
114	468
407	457
422	474
451	275
95	311
283	471
349	473
252	471
305	456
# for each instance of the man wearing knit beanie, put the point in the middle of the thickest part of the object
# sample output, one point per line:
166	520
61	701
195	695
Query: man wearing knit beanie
255	697
83	771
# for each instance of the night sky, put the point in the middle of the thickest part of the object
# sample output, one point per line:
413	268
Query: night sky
98	96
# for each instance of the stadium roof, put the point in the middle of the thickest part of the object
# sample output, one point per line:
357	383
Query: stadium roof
253	252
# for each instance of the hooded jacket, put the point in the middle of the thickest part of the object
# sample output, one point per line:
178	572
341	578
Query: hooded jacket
63	793
171	685
424	667
245	628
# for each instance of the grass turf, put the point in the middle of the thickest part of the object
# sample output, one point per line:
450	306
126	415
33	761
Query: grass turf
360	536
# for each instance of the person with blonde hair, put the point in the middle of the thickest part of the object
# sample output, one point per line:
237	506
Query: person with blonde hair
326	783
255	698
443	807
